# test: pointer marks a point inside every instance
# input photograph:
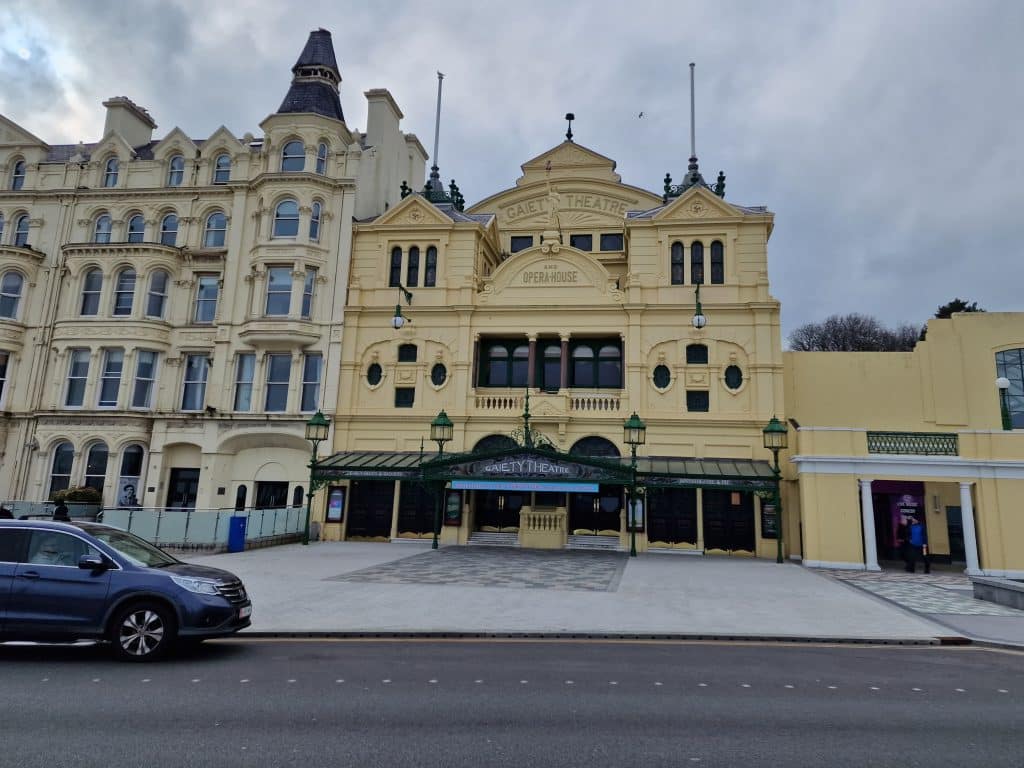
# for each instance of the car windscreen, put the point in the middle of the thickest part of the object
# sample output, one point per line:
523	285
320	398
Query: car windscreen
137	551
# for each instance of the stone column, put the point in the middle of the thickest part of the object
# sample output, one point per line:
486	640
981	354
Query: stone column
867	512
564	382
970	536
531	366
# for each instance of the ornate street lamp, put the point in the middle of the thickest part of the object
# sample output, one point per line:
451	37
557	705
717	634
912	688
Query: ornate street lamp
1003	384
634	434
776	438
441	430
699	318
317	429
399	319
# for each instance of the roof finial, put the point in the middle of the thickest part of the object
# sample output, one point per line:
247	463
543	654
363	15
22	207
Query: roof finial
435	175
693	119
570	117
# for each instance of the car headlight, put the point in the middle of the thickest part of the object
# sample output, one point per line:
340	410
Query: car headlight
199	586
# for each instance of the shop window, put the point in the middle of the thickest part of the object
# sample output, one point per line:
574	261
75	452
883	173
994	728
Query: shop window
696	262
696	354
611	241
407	353
733	377
662	376
520	243
405	397
717	262
698	401
438	374
583	242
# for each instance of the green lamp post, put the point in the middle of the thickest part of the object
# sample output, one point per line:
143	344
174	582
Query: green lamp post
441	431
316	432
776	438
634	434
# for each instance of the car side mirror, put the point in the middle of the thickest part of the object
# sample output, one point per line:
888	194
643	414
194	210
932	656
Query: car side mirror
92	562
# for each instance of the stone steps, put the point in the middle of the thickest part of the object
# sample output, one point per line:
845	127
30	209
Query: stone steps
493	539
598	543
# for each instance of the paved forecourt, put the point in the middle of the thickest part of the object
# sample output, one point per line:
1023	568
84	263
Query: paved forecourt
407	587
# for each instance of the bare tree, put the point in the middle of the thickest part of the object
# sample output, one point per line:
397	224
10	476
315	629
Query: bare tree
852	333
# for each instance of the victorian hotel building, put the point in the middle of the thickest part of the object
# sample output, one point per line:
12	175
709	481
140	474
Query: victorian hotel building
570	362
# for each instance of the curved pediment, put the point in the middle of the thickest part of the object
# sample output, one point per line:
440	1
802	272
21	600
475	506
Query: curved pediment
551	274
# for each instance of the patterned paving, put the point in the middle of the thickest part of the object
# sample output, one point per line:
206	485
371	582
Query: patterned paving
494	567
938	593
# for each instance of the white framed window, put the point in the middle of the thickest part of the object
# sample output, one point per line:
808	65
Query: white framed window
222	169
110	378
307	293
216	230
314	222
169	230
18	175
312	366
5	358
321	158
60	469
145	377
136	229
11	285
193	395
96	466
101	232
78	375
245	370
293	156
206	298
286	219
21	231
279	291
278	373
110	172
176	171
156	296
124	292
92	286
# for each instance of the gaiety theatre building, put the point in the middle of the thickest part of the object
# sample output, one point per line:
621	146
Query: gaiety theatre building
539	320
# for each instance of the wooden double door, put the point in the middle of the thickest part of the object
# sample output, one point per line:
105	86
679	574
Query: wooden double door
672	517
370	508
596	513
729	522
498	510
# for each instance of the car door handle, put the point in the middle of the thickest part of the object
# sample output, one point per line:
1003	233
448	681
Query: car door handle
29	574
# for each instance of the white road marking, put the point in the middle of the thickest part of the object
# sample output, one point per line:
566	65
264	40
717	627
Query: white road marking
46	679
524	682
292	680
832	687
339	680
146	680
431	681
790	686
95	679
195	679
244	680
613	682
744	685
568	682
702	685
1003	690
915	689
875	688
960	690
478	681
658	683
385	681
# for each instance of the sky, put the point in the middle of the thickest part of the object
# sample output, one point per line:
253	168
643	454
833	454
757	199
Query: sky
885	136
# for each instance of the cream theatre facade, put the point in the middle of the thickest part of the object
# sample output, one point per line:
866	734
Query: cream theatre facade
539	320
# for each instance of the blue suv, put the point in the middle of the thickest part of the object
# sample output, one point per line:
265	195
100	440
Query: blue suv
64	582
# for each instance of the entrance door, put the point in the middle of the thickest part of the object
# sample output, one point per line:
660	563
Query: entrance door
271	495
183	488
672	517
369	512
415	511
728	521
596	513
955	526
498	510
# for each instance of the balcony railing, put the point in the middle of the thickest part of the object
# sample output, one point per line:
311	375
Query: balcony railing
914	443
565	400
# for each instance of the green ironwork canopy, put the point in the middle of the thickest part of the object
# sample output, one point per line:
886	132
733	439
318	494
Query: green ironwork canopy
680	472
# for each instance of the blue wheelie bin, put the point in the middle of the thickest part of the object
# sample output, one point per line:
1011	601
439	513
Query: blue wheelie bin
236	533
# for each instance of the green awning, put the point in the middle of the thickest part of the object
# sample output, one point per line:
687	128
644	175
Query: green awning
396	465
675	471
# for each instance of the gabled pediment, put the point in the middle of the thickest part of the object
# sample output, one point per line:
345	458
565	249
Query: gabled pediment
174	143
696	204
112	144
568	160
413	211
13	134
551	274
223	139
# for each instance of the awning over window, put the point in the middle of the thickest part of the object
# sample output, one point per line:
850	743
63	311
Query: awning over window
673	471
395	465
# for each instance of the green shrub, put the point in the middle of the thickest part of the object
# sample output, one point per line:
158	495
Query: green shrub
83	494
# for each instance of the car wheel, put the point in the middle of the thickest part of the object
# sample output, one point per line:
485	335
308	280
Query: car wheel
143	632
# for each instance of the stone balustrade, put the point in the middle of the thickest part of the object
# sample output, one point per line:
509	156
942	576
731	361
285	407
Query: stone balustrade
544	528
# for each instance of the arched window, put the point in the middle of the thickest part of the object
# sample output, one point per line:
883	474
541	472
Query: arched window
314	221
101	233
129	485
293	156
596	363
1010	365
395	274
609	366
412	269
92	285
110	172
176	171
582	367
677	264
124	292
696	262
60	470
297	496
717	262
494	443
156	296
321	159
21	231
136	228
696	354
240	495
286	219
10	294
169	230
222	169
550	373
596	447
430	274
96	467
18	176
216	230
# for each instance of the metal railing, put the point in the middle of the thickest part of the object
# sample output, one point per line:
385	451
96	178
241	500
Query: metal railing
36	510
205	528
914	443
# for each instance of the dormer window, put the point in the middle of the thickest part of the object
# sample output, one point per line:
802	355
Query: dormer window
222	169
293	156
321	159
176	171
110	172
18	176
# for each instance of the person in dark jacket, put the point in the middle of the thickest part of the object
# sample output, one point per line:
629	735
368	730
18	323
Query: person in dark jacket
60	512
917	546
5	513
